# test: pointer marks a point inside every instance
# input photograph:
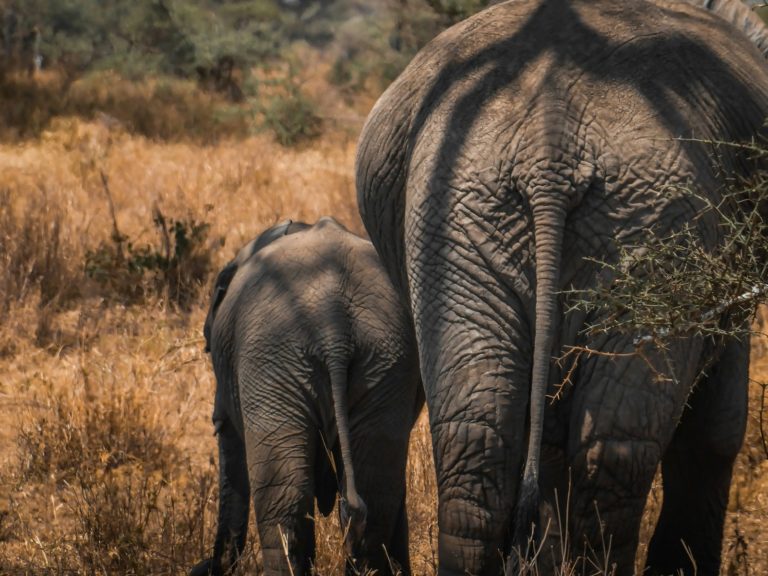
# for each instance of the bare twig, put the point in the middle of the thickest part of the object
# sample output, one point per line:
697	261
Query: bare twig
679	284
689	553
755	294
162	226
576	352
117	237
603	565
394	567
284	544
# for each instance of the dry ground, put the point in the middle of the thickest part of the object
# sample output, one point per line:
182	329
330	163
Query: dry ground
107	456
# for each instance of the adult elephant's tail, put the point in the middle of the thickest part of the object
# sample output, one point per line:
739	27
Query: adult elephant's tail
353	509
549	212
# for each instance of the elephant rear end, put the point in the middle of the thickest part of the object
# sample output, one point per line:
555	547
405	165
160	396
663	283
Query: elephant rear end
517	149
314	353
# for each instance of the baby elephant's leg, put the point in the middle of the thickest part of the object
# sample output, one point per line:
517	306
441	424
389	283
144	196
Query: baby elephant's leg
380	451
281	469
233	502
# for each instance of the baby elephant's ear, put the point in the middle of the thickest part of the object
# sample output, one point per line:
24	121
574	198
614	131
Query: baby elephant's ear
270	235
223	280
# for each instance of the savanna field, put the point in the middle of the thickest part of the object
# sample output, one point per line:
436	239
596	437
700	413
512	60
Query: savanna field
110	238
108	458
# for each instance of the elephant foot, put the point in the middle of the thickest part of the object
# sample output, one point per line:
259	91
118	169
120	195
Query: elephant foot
209	567
353	513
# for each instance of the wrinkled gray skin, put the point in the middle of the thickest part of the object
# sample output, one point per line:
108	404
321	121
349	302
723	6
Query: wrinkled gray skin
306	331
742	17
516	146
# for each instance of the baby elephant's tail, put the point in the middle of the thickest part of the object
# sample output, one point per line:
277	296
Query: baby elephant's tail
352	508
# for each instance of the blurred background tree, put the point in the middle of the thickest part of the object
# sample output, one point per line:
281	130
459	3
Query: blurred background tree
88	50
147	36
229	49
175	36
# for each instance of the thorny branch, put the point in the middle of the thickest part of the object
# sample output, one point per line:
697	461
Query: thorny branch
678	284
756	295
574	353
704	279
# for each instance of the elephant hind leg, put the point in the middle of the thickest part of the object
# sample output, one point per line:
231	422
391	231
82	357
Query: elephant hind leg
234	493
399	542
281	471
693	513
380	460
623	417
697	469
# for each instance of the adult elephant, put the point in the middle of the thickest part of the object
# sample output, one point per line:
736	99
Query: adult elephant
742	17
314	356
518	147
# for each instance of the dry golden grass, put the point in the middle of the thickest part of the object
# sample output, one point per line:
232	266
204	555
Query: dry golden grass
106	451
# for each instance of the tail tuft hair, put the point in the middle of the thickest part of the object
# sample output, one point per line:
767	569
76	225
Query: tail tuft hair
526	533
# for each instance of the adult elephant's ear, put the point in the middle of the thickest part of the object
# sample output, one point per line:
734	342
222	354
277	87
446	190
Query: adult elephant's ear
223	280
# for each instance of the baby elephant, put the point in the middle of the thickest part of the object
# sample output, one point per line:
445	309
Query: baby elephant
317	389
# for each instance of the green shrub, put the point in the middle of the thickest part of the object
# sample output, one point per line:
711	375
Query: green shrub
286	110
165	108
291	118
175	268
27	106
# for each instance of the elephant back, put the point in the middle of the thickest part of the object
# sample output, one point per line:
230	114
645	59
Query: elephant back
610	93
322	287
